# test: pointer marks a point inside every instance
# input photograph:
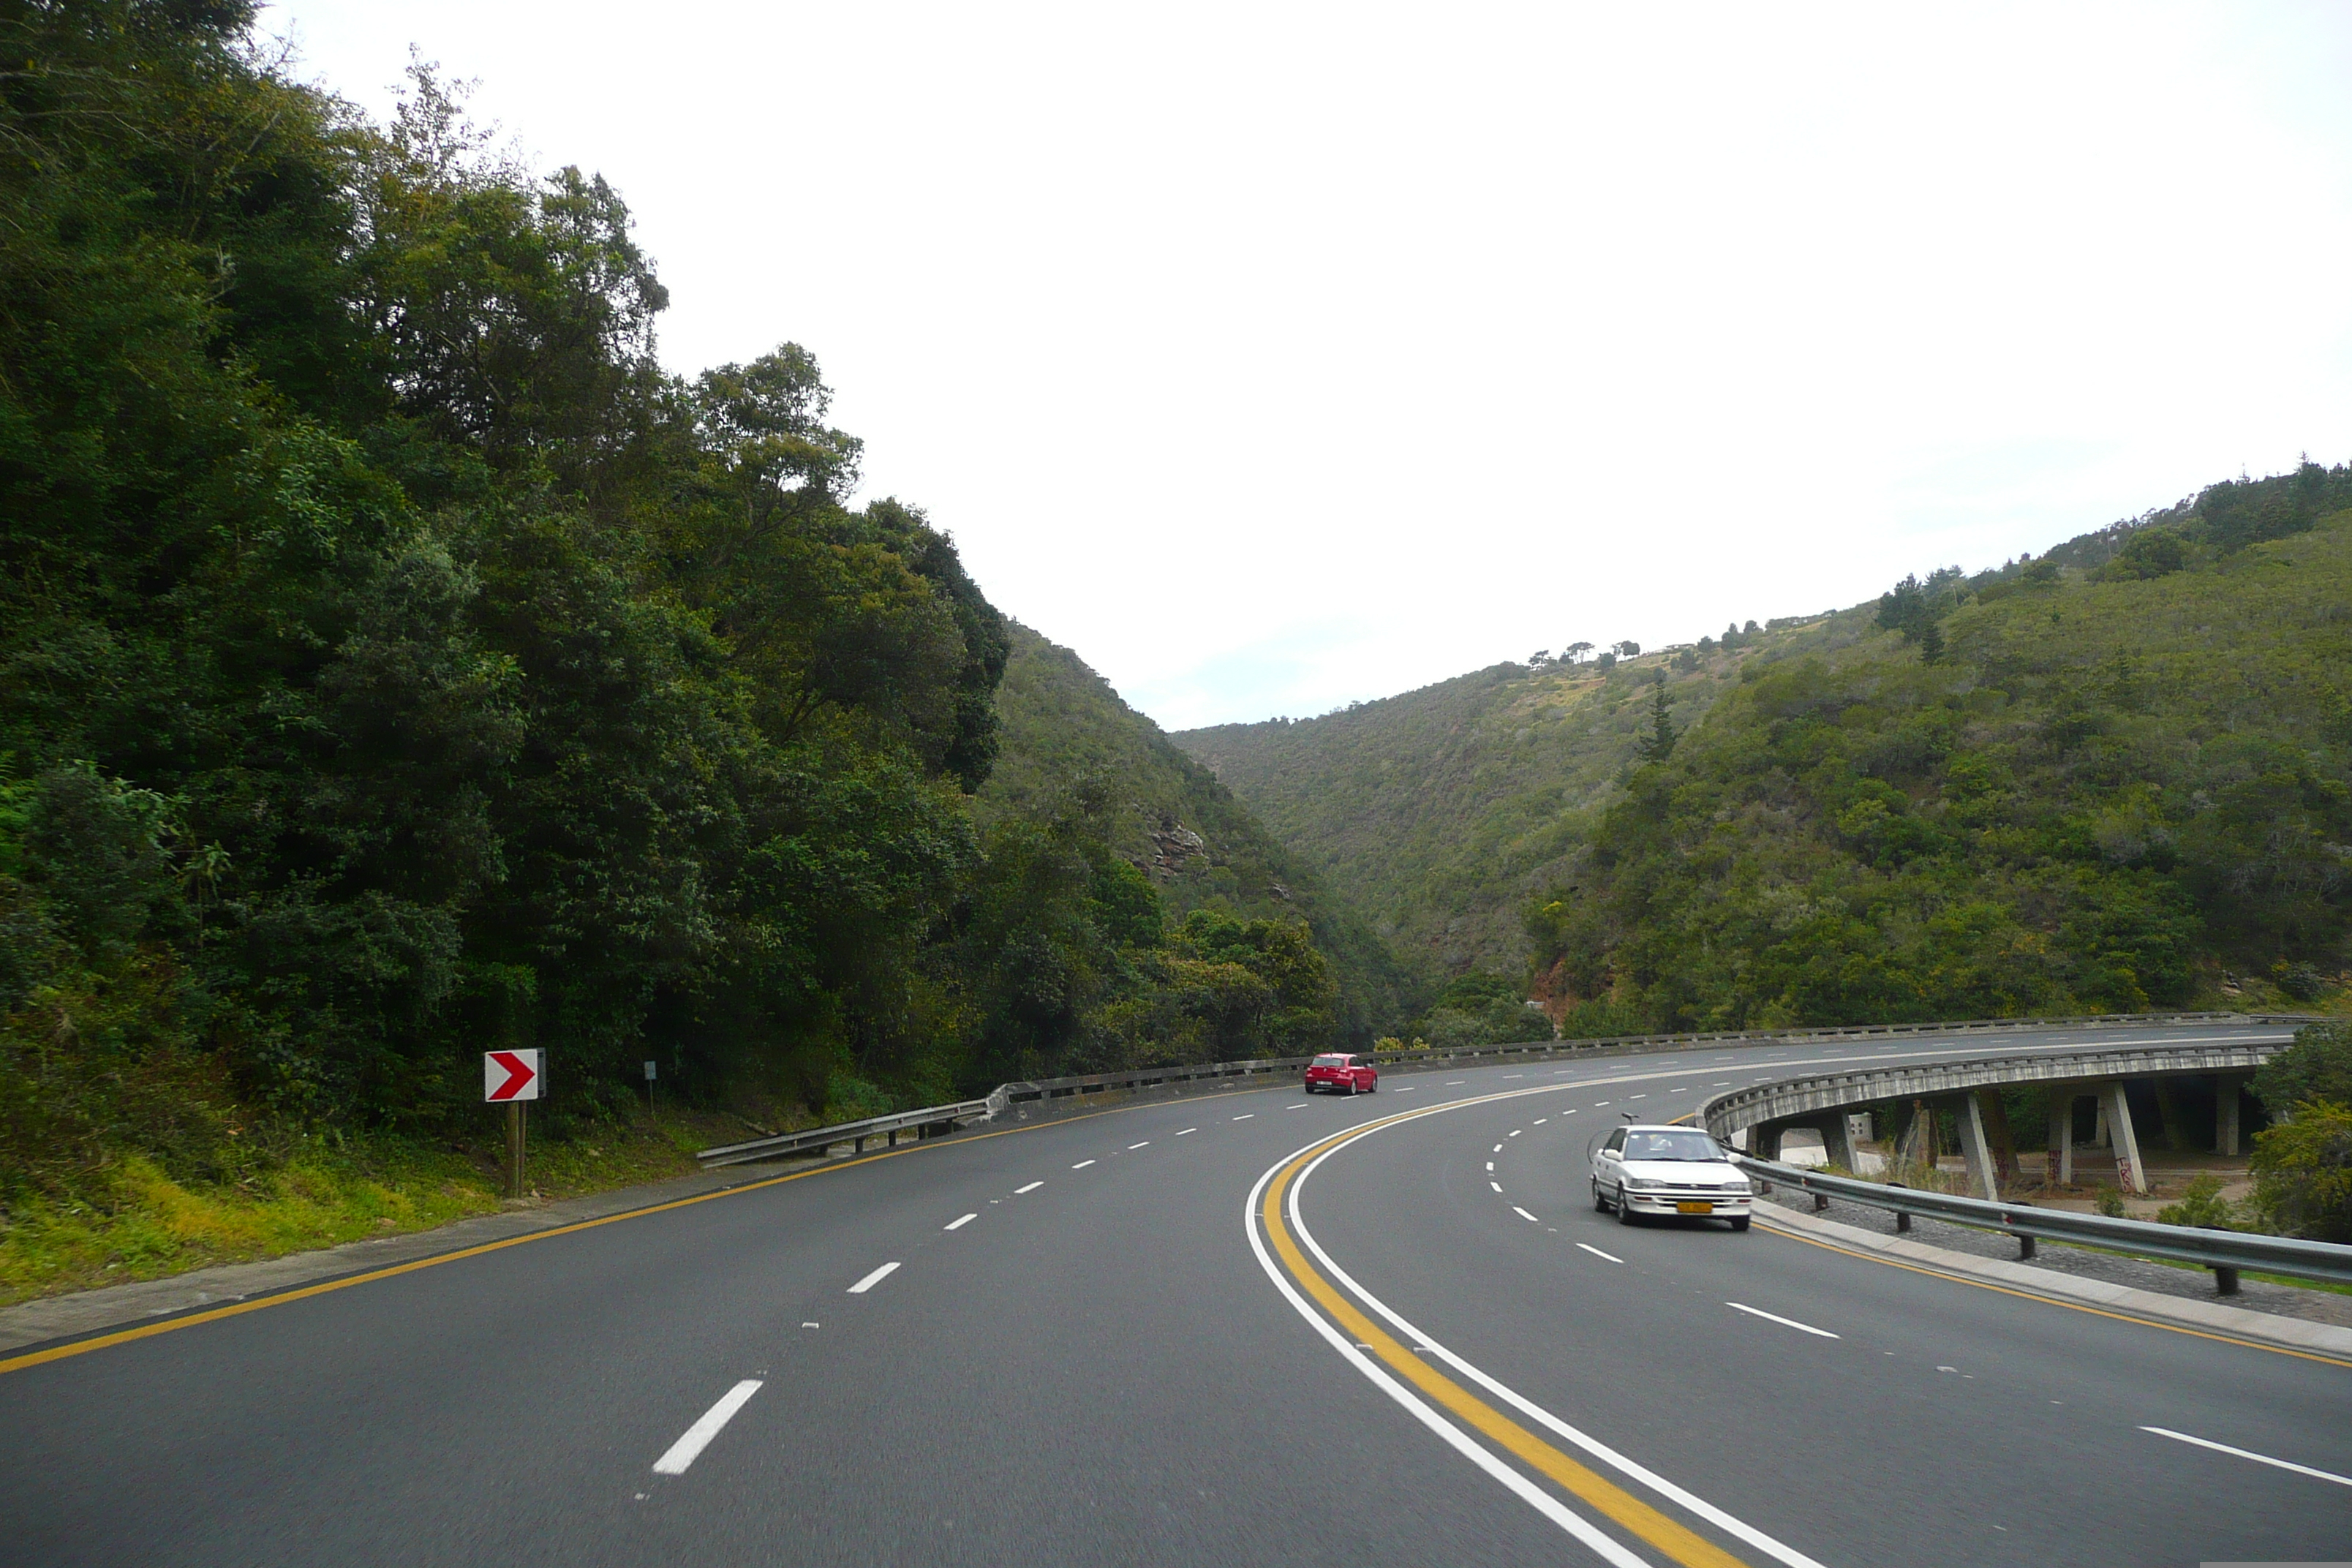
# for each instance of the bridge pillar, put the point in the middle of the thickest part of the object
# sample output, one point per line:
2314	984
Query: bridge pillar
2130	1174
1767	1140
2060	1171
1983	1176
1837	1142
2225	1111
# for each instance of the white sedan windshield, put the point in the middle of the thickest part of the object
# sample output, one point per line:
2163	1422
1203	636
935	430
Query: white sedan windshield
1671	1146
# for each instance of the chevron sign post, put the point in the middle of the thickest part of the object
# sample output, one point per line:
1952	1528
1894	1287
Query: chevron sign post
511	1078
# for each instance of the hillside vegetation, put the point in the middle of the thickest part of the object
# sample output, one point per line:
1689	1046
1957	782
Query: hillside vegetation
396	663
2116	777
1437	813
1066	731
2045	790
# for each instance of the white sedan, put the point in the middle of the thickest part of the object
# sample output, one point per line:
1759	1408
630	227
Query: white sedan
1668	1171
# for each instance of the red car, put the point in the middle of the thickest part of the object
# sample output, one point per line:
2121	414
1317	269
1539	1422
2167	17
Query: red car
1342	1074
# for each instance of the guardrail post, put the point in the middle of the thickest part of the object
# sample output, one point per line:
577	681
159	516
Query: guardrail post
2225	1281
2026	1248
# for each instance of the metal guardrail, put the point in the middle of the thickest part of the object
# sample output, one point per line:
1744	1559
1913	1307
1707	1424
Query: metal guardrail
2223	1251
1006	1096
929	1120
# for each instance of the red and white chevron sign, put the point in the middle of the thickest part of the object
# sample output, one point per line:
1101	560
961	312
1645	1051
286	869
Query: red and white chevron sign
511	1075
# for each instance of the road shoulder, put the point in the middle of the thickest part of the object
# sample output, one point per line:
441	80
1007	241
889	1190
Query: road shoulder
49	1318
2209	1317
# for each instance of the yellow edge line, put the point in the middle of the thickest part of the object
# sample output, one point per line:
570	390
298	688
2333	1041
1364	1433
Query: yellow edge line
144	1330
1629	1511
1956	1278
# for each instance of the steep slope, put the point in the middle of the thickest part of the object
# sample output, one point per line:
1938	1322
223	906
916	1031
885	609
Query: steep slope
1203	849
1439	811
2092	792
2116	777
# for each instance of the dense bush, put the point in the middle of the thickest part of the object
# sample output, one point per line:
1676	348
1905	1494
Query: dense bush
395	661
2302	1173
2318	1066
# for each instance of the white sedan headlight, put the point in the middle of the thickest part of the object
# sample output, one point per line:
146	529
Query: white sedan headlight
1642	1184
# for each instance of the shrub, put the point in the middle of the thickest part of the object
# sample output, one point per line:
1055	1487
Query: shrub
2202	1206
2109	1201
2318	1065
2302	1173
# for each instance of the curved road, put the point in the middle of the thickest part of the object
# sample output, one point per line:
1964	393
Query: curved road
1252	1328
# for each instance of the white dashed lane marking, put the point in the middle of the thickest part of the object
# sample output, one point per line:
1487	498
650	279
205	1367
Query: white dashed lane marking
870	1281
1082	1165
960	1224
1598	1253
698	1437
2250	1454
1525	1215
1030	1188
1784	1323
1132	1148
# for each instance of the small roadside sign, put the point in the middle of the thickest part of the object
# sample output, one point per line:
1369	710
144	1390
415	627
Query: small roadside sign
508	1076
649	1072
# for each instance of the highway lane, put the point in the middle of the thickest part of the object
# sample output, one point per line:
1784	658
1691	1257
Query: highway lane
1094	1368
1967	1424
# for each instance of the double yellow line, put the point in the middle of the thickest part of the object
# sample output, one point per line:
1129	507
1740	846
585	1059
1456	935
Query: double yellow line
1602	1495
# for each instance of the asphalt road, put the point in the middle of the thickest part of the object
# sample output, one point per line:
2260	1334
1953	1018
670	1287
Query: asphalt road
1127	1354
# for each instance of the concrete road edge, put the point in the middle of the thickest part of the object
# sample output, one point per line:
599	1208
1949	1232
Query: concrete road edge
2211	1317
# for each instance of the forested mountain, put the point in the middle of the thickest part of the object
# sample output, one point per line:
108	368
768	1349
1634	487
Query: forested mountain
397	662
1438	812
1067	736
2117	777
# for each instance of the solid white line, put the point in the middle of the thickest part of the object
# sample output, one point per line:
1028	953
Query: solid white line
1525	1215
1030	1188
960	1224
873	1280
1452	1436
1534	1412
1082	1165
698	1437
1132	1148
2249	1454
1784	1323
1598	1253
1246	1116
1188	1130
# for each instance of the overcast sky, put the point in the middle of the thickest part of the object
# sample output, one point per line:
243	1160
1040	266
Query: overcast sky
1276	356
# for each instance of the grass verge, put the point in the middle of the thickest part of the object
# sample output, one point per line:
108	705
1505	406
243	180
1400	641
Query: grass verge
134	1221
